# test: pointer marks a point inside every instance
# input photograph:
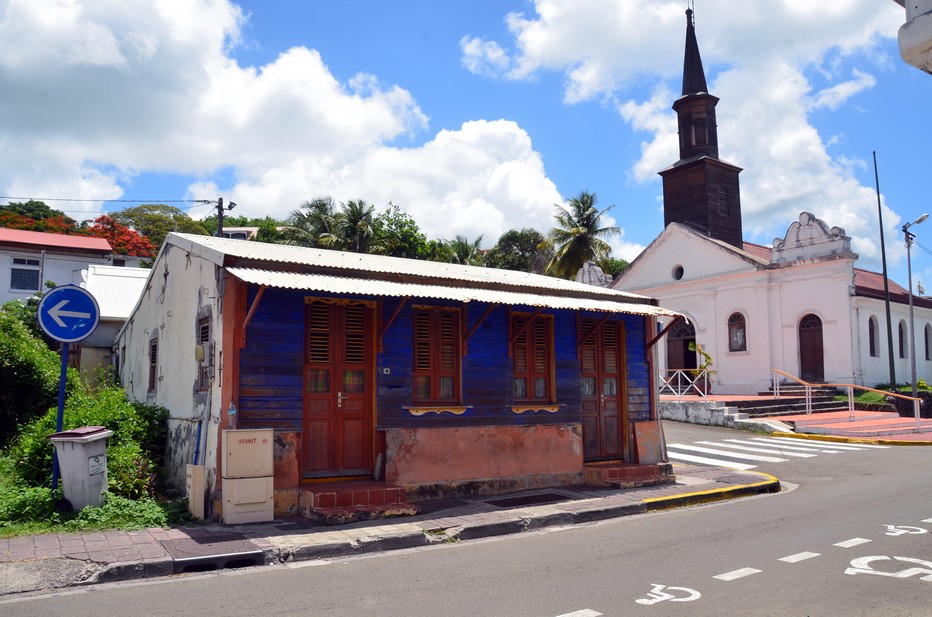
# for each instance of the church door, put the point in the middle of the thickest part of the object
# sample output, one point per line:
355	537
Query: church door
811	354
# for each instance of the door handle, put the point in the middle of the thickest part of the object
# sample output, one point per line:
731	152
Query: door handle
339	399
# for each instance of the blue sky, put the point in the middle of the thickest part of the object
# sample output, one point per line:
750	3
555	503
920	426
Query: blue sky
475	116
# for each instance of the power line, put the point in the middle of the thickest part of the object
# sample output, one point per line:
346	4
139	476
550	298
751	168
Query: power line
120	201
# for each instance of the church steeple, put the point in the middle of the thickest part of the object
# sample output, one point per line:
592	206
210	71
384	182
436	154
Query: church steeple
693	75
700	189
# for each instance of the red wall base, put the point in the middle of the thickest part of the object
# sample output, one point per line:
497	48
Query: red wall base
456	455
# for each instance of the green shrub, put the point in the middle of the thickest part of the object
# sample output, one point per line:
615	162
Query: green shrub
26	504
120	513
29	374
134	451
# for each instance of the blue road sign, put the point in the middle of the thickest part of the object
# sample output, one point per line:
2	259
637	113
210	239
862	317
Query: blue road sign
68	313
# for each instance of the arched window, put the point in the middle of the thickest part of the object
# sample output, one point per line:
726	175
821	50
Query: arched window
872	337
901	334
737	333
926	335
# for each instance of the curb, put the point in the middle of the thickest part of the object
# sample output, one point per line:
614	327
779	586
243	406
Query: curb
769	485
843	439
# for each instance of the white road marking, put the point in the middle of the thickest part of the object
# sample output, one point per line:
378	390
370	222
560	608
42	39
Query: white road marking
800	448
750	457
676	456
852	542
816	443
927	520
735	574
799	557
583	613
734	443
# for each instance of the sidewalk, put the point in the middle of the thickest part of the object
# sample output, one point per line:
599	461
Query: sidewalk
38	563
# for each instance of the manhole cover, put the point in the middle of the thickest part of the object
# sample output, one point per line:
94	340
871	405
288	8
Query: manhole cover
527	500
213	553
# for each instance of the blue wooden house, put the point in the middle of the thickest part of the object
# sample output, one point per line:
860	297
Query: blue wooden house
397	378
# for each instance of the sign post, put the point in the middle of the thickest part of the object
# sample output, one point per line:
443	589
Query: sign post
68	314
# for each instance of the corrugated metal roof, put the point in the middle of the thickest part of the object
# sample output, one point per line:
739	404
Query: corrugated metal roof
616	303
342	260
41	239
116	289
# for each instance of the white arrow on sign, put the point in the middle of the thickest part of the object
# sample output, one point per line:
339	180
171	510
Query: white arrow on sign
57	313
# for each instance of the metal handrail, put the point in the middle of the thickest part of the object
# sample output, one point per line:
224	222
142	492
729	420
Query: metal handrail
850	388
684	383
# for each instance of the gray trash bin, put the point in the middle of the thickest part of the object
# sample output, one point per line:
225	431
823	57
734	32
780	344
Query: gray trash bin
82	459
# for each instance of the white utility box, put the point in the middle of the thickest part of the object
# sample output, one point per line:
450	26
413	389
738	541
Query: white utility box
248	476
82	459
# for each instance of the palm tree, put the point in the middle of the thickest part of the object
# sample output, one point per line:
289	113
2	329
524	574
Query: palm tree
578	236
311	221
353	229
462	251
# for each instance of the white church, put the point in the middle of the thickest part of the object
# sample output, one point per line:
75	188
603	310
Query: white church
801	305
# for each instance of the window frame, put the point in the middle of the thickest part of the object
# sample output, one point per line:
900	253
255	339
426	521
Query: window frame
21	265
873	337
205	366
436	354
733	327
531	338
153	349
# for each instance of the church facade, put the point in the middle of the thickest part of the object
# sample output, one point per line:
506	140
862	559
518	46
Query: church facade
801	305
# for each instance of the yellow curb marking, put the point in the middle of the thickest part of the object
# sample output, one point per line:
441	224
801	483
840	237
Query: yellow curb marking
840	439
718	491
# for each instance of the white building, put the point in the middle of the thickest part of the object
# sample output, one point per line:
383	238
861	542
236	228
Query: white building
30	258
801	306
117	290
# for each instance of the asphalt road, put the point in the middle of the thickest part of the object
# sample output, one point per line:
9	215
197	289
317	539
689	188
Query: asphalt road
815	549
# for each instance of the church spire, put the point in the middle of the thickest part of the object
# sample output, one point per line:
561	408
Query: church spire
700	190
693	75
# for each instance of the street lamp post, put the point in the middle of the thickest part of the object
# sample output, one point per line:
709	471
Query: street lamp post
909	274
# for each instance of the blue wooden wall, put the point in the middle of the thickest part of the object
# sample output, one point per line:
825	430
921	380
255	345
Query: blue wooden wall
271	364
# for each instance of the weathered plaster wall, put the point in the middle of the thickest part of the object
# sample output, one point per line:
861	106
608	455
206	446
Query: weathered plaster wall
479	459
181	288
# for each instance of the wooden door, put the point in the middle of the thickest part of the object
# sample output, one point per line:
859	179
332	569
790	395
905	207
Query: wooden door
338	384
604	408
811	353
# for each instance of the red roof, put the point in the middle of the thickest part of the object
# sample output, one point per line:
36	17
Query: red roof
874	281
40	240
757	250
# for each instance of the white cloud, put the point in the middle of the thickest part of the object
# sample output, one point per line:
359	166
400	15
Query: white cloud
485	58
837	95
761	61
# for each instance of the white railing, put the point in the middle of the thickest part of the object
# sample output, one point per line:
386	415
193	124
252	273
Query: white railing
680	382
850	387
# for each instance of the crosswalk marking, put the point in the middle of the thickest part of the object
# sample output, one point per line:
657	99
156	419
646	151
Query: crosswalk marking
733	443
831	445
750	457
702	460
755	450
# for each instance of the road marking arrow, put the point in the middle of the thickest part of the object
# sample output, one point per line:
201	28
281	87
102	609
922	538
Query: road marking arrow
57	313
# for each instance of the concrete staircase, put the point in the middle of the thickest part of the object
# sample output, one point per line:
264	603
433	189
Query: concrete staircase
792	401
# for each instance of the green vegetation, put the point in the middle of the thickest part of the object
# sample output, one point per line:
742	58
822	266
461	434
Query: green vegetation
29	373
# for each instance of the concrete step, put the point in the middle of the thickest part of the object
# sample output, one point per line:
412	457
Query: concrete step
337	503
628	475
